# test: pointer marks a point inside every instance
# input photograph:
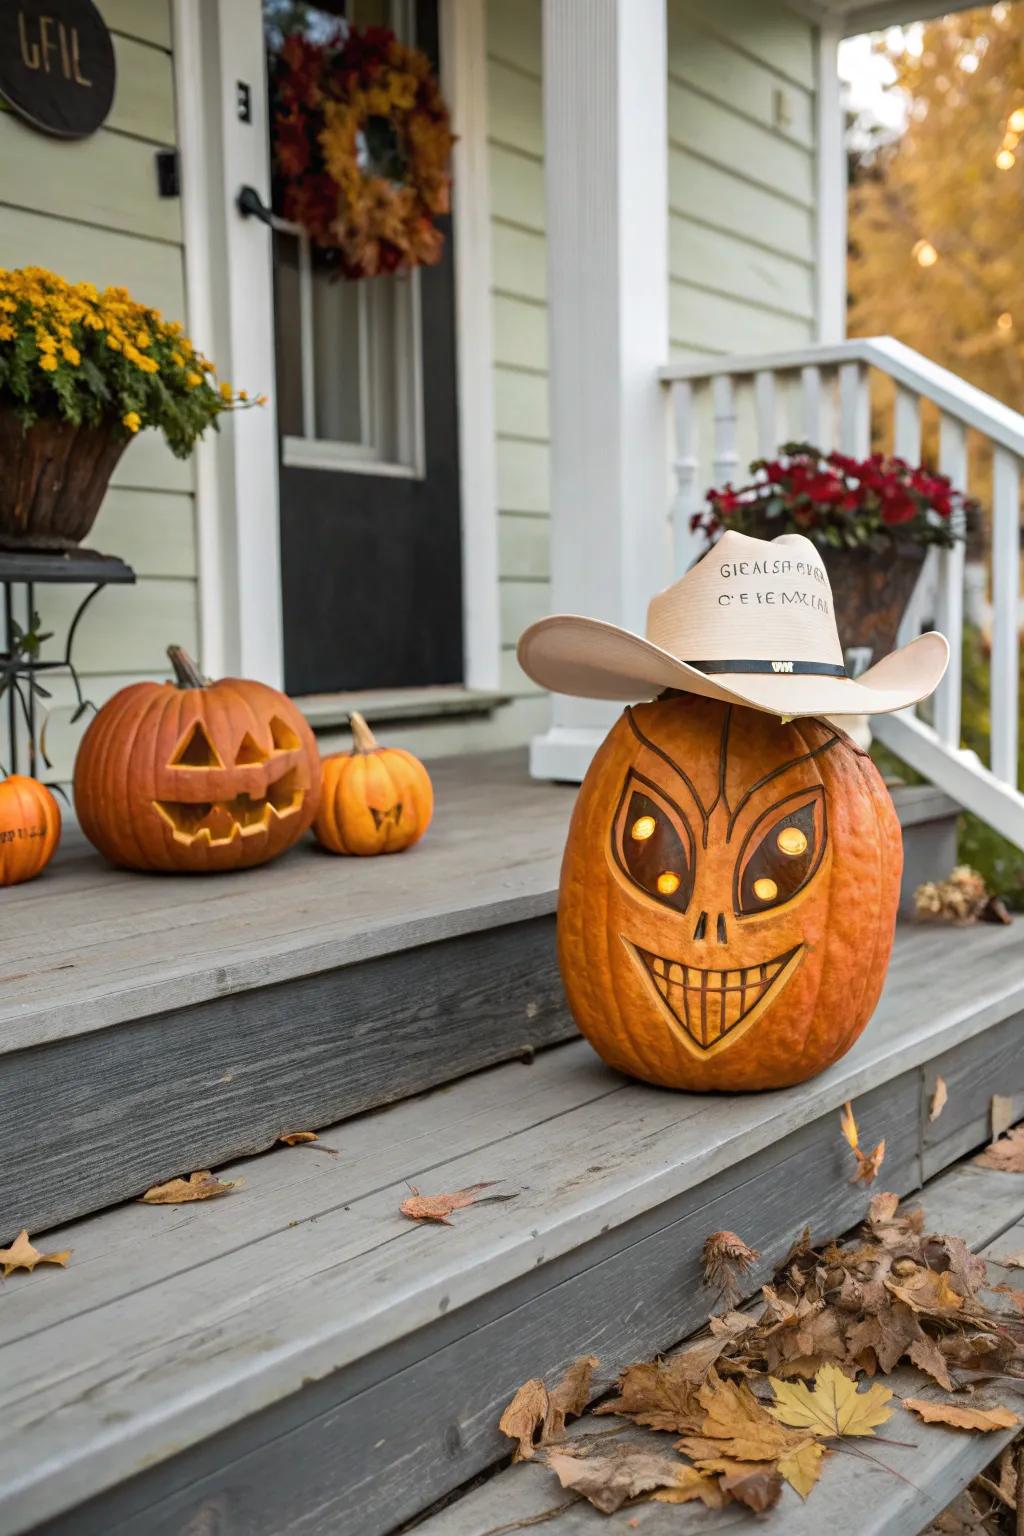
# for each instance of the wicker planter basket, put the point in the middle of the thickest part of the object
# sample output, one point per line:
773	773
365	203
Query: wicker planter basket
53	478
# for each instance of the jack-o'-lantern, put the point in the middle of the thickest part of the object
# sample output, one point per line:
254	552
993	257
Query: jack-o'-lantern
728	896
29	828
375	799
196	776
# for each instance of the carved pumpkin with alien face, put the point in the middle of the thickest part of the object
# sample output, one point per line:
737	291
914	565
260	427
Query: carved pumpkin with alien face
196	776
728	896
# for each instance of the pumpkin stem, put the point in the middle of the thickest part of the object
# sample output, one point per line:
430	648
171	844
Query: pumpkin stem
186	673
363	739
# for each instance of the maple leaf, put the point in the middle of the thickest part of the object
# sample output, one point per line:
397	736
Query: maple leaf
802	1467
1006	1154
959	1417
439	1207
736	1426
834	1407
662	1393
609	1477
726	1259
928	1290
758	1486
691	1485
198	1186
569	1398
22	1255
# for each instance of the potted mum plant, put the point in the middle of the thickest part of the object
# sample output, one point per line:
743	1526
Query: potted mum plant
82	371
873	520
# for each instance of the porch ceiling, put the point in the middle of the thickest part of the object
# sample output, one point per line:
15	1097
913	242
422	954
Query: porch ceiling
872	15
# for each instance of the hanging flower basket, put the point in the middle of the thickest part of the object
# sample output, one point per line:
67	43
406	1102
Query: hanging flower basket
362	141
81	372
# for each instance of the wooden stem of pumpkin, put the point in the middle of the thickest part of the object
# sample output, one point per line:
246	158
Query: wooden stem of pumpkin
186	673
363	739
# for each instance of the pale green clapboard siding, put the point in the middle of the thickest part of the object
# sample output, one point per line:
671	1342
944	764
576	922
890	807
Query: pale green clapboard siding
90	210
149	20
519	318
741	176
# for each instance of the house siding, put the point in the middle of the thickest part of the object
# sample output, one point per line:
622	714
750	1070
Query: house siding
90	211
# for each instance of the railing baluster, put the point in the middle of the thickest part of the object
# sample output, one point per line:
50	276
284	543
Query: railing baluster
766	406
686	465
854	410
907	445
949	613
1005	612
726	460
810	390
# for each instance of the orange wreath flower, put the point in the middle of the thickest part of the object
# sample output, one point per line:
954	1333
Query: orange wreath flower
362	142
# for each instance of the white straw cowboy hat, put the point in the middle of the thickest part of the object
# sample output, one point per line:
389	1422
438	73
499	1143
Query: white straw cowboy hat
751	623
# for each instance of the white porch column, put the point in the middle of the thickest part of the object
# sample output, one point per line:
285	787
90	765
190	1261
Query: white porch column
606	171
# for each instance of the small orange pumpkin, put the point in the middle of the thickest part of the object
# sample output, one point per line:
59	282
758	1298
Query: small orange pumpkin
196	776
374	799
728	896
29	828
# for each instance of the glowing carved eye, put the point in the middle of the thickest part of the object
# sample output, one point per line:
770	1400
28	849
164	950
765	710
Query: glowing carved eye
652	843
792	841
781	852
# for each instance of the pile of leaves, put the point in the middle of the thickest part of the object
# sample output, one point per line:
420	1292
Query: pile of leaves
963	898
768	1393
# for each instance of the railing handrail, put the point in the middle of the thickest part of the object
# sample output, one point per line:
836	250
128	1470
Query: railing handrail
953	395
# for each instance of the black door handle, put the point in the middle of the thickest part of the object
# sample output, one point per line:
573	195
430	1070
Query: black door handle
251	206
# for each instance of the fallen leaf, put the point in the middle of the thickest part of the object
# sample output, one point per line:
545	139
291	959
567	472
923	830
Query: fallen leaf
868	1163
758	1486
959	1417
662	1393
608	1478
726	1259
198	1186
439	1207
524	1416
1006	1154
22	1255
736	1426
569	1398
802	1468
940	1097
691	1485
1010	1260
296	1138
835	1407
928	1290
536	1416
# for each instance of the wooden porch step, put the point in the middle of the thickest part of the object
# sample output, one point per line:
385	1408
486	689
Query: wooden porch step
150	1024
298	1357
895	1490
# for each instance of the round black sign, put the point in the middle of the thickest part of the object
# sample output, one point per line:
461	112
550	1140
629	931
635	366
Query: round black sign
57	66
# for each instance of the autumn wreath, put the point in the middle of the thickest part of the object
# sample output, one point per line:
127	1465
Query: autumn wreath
362	140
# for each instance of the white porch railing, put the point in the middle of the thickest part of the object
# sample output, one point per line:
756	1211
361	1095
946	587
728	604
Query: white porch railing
729	410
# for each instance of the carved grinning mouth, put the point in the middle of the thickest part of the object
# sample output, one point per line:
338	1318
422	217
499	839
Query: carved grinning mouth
710	1005
219	821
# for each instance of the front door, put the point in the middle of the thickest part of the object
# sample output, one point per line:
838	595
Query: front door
368	421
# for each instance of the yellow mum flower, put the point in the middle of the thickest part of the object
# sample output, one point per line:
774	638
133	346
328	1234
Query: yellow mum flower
243	394
177	358
192	379
113	343
226	392
71	354
143	339
7	332
132	420
48	363
8	306
47	344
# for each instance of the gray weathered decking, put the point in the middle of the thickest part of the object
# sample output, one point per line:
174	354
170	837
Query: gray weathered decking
299	1358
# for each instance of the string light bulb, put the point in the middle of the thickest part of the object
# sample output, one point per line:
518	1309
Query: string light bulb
1006	160
1005	321
1016	120
925	254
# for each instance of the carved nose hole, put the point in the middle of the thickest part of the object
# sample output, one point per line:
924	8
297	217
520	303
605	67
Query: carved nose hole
721	928
196	750
702	923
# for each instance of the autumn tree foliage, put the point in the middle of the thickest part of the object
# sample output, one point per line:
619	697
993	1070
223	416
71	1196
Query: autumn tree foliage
935	217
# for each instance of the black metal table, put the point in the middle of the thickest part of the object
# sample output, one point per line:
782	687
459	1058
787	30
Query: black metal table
20	669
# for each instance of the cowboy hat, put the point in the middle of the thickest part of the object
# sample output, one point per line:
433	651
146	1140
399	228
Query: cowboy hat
751	623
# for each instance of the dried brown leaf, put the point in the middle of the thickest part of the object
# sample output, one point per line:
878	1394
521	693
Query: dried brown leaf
939	1099
662	1393
757	1485
1006	1154
1010	1260
297	1138
198	1186
959	1417
524	1416
928	1357
868	1163
568	1398
22	1255
439	1207
736	1425
929	1291
726	1259
608	1478
691	1485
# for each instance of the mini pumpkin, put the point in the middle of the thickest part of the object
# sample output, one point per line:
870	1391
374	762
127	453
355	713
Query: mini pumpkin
375	799
728	896
29	828
196	776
